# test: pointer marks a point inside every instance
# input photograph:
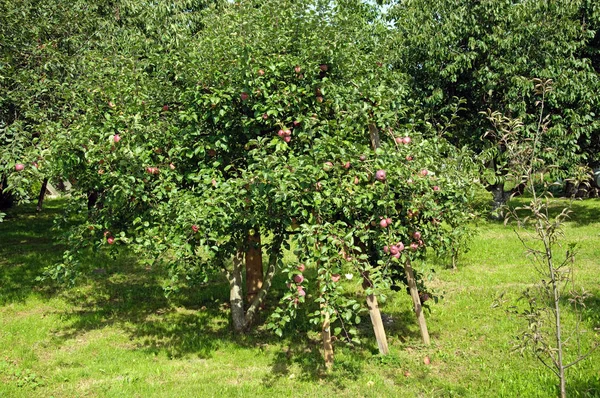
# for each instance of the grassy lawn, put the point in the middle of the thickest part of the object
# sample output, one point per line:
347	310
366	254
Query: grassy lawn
116	335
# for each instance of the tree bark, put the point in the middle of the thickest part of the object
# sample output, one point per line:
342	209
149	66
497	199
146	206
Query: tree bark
42	195
235	293
254	266
6	199
241	319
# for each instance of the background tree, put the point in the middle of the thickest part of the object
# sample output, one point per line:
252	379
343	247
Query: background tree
487	54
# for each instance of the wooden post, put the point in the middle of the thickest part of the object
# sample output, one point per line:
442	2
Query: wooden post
254	266
372	305
414	293
375	315
326	334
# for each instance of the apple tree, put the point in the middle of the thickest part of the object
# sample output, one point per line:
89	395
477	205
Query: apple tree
280	120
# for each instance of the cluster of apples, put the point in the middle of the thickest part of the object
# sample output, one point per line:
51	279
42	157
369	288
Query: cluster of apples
395	250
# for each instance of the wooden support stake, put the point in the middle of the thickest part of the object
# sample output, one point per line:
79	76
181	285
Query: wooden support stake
254	266
326	333
414	293
375	315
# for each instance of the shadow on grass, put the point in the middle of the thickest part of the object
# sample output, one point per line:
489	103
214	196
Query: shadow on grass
26	247
194	321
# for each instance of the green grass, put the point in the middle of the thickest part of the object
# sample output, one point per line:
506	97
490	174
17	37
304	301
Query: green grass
116	335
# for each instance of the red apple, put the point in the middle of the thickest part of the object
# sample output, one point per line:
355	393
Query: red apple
436	188
296	123
409	158
287	139
298	278
327	166
287	132
347	165
110	240
335	277
383	223
301	291
424	172
19	166
380	175
165	108
319	99
399	140
394	250
397	255
356	180
400	246
406	140
426	360
171	166
265	116
244	96
417	235
116	138
386	249
281	133
389	221
195	228
362	158
297	68
301	267
414	246
323	67
261	72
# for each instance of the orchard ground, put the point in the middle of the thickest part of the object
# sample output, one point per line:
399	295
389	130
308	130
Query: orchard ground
115	334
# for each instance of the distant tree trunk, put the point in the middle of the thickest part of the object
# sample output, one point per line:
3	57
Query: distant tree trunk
42	195
499	195
6	199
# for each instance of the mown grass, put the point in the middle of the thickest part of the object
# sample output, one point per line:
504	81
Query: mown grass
115	334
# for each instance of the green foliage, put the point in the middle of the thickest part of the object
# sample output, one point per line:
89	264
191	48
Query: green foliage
488	52
187	141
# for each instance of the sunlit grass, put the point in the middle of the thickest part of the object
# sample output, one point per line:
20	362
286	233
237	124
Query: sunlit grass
116	335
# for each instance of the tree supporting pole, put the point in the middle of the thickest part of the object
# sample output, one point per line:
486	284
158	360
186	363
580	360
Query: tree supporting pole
414	293
326	334
375	315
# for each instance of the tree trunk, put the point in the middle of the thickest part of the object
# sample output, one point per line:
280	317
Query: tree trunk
6	199
498	194
42	195
254	266
241	319
235	293
414	293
